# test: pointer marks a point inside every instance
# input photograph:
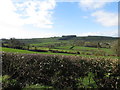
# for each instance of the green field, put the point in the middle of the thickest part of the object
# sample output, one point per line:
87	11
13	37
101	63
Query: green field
10	50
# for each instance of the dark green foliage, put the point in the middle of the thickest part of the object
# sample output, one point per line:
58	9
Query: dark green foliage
62	71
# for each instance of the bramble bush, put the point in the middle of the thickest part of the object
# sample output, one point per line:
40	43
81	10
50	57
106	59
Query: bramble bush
61	71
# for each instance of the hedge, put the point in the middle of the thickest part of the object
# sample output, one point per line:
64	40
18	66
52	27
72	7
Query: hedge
60	71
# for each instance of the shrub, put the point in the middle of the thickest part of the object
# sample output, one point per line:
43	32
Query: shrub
9	83
87	81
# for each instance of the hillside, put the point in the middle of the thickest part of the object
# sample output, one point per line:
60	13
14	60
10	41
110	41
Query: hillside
67	38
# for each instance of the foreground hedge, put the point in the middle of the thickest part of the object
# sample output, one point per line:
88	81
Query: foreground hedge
60	71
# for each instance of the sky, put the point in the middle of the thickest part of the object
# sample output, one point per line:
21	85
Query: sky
50	18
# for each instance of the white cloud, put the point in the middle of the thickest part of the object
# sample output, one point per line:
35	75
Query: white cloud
109	33
106	18
7	14
113	33
13	16
37	12
88	33
20	32
91	4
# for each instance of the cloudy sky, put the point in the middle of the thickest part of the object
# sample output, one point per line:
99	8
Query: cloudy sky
49	18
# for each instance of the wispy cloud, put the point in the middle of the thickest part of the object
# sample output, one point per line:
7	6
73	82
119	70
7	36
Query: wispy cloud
106	18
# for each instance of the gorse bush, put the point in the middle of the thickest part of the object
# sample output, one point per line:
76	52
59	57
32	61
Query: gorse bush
61	71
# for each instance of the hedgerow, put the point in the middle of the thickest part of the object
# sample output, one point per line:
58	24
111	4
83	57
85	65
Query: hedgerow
61	71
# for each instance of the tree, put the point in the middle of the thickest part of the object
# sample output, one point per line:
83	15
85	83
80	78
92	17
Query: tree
14	43
99	45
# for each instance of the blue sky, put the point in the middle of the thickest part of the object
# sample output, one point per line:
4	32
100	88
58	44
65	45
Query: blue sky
71	19
40	18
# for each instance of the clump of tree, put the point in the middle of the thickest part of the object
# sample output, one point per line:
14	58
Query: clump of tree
116	47
13	43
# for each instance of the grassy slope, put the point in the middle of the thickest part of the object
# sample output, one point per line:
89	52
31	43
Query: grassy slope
10	50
